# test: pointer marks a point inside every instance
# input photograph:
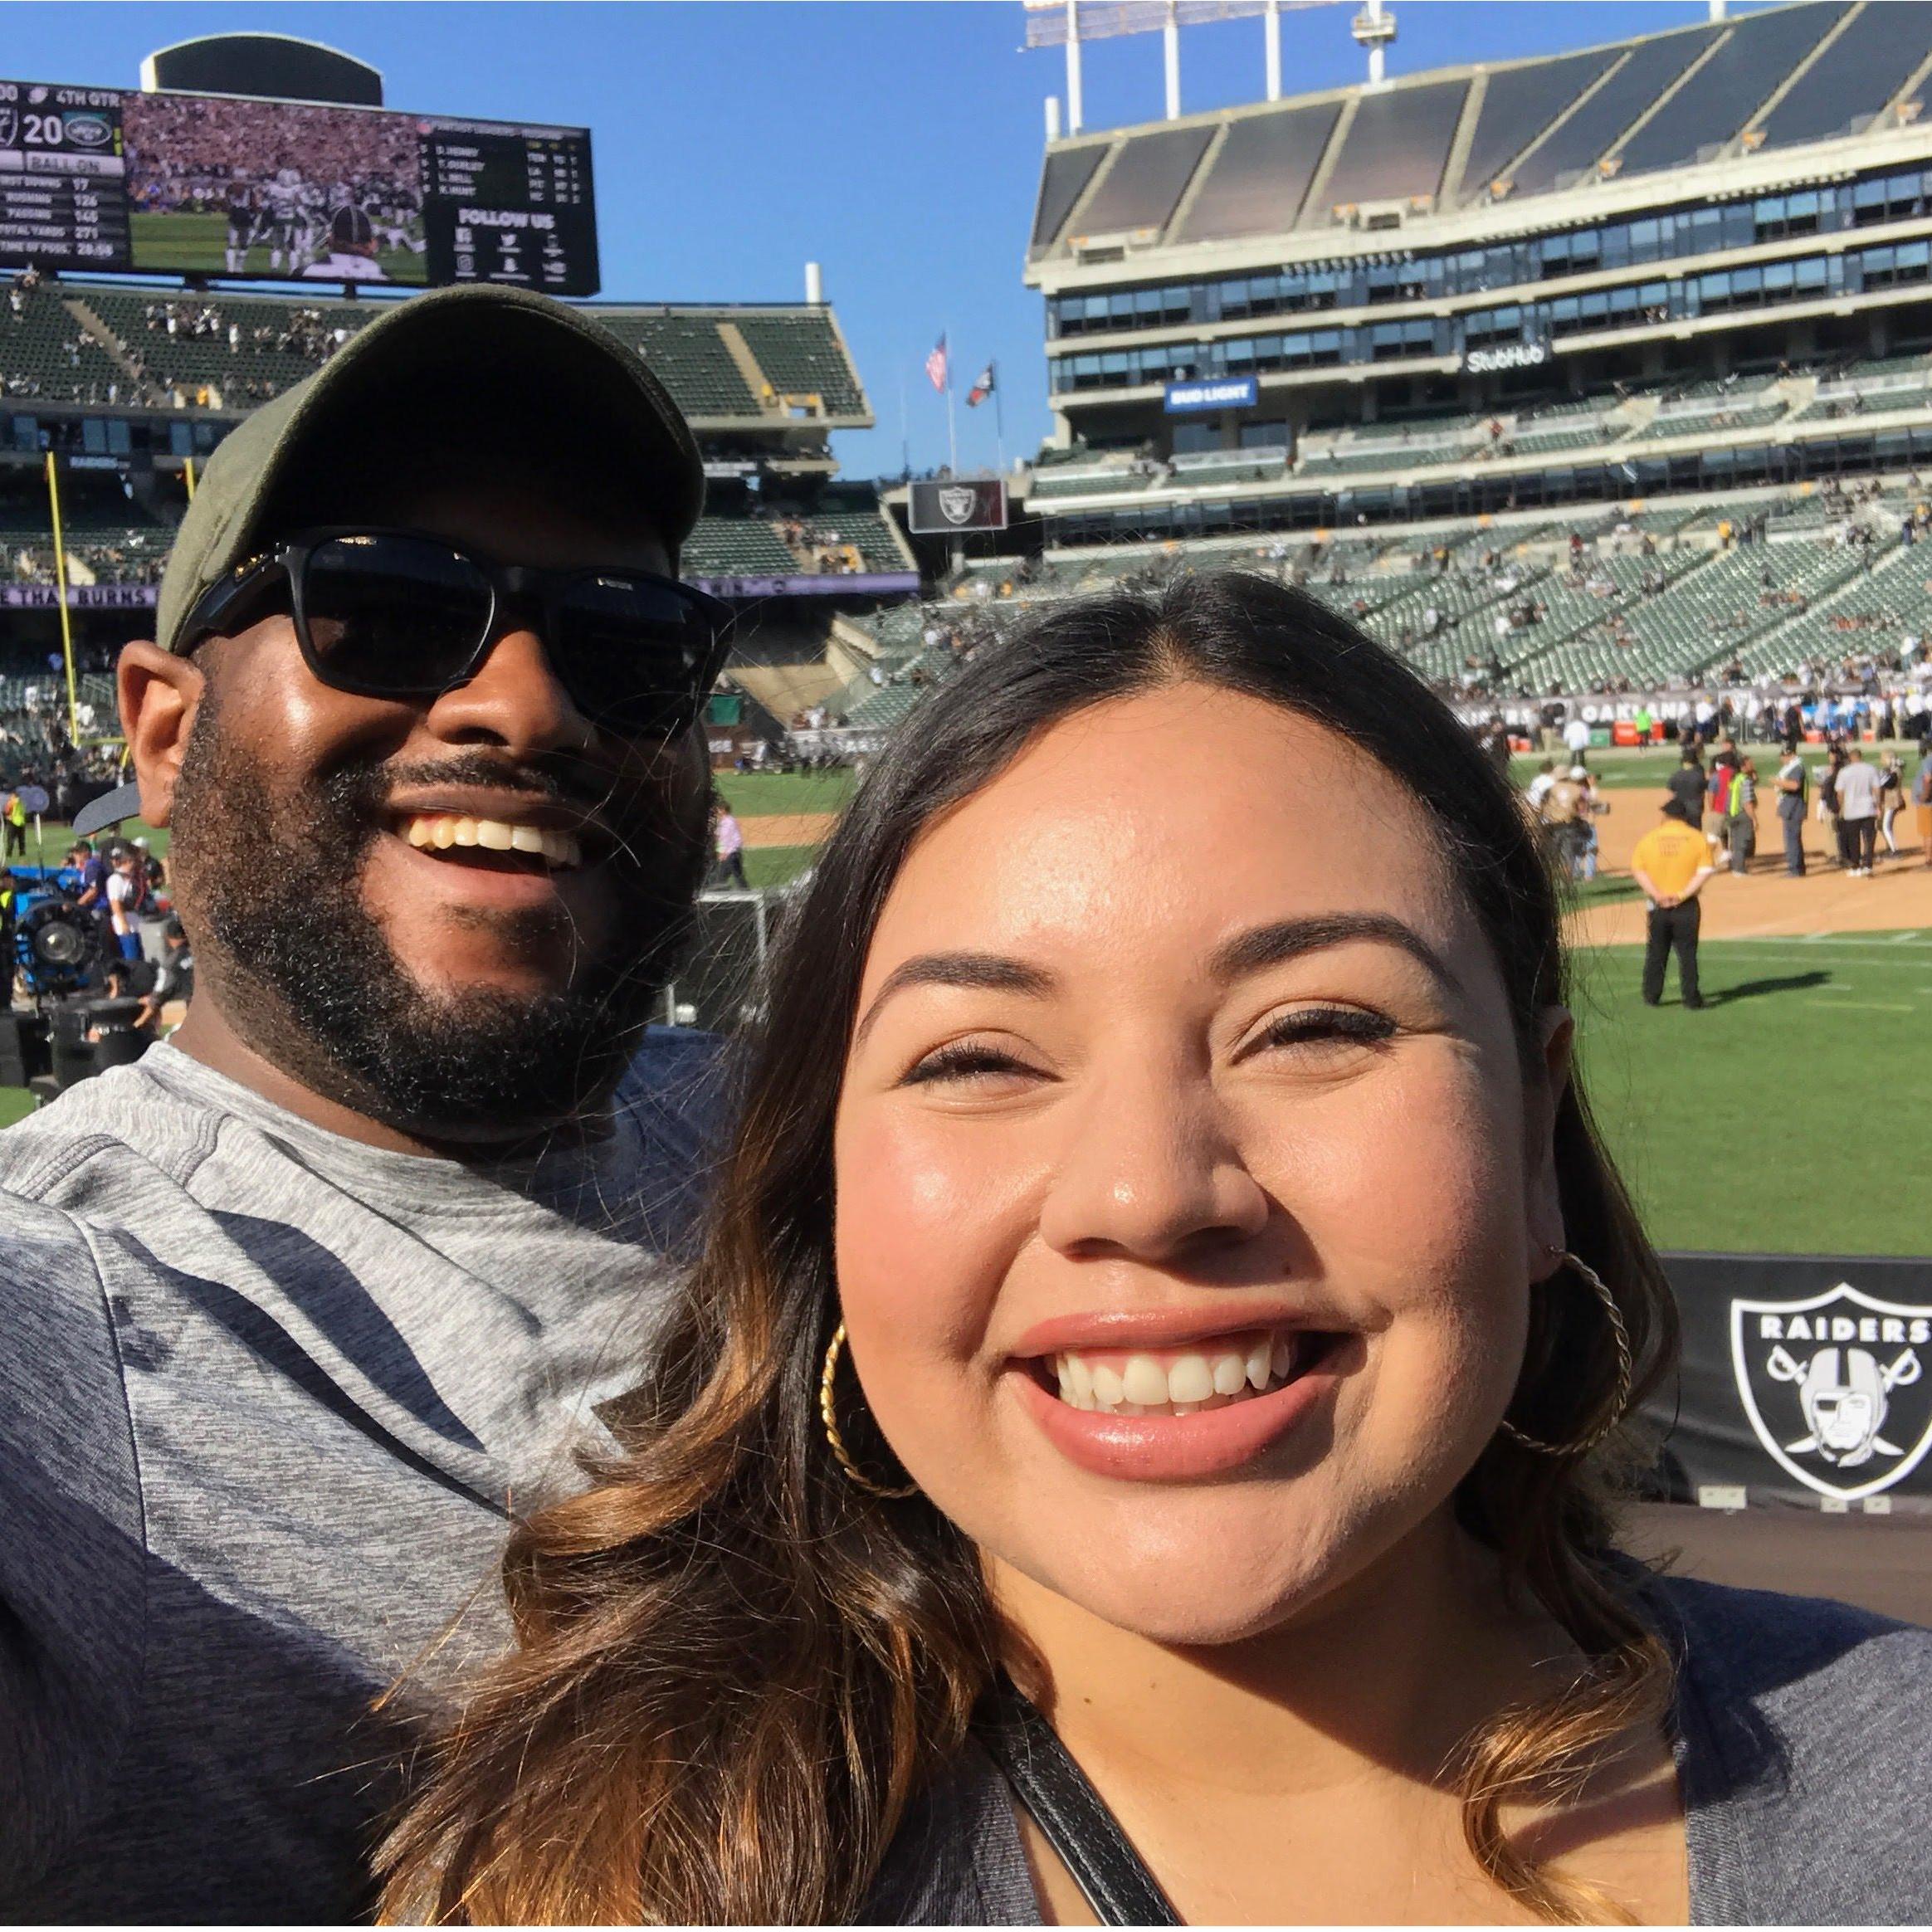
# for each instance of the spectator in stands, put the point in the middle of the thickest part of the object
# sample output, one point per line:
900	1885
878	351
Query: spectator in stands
1670	864
1857	805
370	1221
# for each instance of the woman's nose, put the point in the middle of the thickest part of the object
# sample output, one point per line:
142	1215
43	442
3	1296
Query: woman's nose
1151	1169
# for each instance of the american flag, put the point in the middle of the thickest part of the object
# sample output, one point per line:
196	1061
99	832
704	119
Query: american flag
936	366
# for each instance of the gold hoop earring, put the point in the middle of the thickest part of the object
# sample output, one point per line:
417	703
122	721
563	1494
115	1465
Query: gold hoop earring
828	1415
1625	1372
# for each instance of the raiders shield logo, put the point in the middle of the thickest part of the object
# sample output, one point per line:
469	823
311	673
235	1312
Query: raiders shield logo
9	125
1836	1387
956	505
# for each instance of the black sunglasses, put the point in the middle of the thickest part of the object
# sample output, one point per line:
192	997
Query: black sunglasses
394	614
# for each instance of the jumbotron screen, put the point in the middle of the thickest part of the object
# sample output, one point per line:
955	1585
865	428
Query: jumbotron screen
122	183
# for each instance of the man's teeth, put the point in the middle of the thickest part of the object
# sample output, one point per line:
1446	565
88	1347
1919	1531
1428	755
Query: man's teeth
1142	1385
438	830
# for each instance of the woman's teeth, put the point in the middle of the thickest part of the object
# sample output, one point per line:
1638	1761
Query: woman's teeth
1181	1385
438	830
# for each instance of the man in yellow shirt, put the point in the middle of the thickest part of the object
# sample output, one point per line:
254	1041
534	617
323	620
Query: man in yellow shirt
1672	861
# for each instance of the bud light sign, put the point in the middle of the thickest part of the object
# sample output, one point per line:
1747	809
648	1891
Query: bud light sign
1224	392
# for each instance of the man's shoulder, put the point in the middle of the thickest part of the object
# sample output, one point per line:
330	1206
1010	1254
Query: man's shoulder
674	1086
1814	1738
125	1109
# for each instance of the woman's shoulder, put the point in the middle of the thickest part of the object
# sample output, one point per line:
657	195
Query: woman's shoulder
958	1859
1805	1750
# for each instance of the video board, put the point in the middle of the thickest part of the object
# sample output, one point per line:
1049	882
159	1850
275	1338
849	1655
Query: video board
122	183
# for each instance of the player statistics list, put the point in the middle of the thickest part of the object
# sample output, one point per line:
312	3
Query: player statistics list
63	202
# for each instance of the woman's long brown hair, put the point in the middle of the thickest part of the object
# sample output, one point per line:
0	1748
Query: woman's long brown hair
735	1670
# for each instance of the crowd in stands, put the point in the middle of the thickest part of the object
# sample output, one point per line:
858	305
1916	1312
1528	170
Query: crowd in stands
184	151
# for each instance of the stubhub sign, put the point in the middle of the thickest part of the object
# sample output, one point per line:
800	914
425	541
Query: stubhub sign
1228	393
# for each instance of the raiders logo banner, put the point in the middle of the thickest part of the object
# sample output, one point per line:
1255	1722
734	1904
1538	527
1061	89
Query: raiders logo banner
1806	1379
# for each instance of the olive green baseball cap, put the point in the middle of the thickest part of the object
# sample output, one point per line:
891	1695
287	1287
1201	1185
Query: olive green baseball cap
451	349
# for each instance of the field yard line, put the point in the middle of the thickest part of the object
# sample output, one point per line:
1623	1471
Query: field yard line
1866	1006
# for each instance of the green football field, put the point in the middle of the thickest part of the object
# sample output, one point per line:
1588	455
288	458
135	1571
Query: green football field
1793	1113
192	244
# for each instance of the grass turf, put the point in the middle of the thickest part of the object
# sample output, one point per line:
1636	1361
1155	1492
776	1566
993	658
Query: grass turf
192	244
1787	1116
759	794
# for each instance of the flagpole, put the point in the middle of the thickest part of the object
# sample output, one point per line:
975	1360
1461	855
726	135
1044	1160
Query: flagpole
905	435
952	414
998	418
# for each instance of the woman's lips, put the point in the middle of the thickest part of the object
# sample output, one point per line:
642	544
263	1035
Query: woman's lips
1174	1448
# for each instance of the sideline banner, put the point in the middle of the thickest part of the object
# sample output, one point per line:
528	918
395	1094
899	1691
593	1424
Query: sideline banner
1807	1381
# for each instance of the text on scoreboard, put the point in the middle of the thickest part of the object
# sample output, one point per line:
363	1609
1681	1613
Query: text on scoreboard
122	182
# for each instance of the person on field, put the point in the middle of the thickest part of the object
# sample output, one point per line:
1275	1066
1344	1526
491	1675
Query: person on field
1857	801
1686	783
1741	819
1792	782
300	1313
1891	800
1669	865
1922	797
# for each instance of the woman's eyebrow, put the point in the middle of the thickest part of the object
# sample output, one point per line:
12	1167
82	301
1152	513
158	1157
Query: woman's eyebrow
987	971
1288	939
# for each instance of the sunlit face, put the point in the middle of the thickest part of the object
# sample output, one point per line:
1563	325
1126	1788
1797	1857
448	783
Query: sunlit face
1190	1187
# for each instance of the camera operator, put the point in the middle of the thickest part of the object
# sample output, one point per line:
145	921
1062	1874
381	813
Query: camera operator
296	1312
174	980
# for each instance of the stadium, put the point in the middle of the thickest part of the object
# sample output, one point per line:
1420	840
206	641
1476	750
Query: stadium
1594	385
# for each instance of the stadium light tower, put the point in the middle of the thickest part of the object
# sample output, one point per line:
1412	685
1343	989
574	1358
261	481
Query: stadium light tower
1066	23
1374	28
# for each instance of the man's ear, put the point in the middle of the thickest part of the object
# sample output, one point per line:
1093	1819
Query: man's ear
159	695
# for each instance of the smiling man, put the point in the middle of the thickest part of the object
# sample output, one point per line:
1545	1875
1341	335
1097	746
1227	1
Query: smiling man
296	1313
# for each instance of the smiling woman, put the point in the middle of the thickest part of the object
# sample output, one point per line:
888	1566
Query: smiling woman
1166	1092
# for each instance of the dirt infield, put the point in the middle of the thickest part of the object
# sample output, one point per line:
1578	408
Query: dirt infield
788	828
1763	904
1879	1562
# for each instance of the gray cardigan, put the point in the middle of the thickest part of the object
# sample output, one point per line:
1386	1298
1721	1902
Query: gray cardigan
1803	1735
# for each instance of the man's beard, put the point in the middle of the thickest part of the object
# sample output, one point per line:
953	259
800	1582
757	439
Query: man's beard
275	881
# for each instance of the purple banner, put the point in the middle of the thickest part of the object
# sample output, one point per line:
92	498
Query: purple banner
863	584
80	596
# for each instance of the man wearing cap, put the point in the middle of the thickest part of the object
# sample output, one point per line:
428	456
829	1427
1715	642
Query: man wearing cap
299	1312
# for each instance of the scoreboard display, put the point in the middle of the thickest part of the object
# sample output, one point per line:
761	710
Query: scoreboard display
120	182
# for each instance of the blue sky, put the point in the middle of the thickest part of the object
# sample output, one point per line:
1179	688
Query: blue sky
897	141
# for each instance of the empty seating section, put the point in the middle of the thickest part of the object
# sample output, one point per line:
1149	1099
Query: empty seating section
245	348
1772	77
801	355
1258	181
689	356
1519	103
1870	610
1150	174
1093	482
1860	71
1062	181
45	352
1742	72
227	351
1579	142
1872	388
866	530
723	546
1396	146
